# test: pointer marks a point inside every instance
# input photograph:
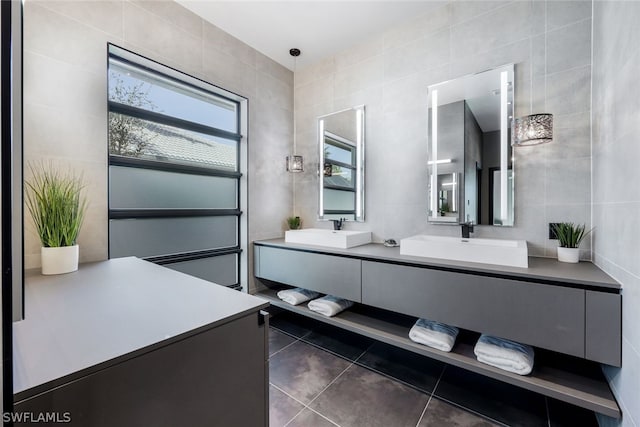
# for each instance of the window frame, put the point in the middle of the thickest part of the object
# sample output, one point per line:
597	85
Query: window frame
342	143
240	249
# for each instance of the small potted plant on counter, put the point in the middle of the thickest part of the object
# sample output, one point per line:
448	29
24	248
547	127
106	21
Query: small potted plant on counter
57	208
294	222
570	236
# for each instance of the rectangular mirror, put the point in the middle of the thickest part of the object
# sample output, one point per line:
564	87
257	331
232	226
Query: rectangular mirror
341	172
470	162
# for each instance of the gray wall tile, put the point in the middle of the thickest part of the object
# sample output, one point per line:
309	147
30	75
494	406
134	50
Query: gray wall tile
75	42
481	34
462	11
616	197
103	15
171	41
561	13
569	91
437	19
180	17
569	46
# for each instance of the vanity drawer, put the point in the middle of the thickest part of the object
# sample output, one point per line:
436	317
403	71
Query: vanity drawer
551	317
328	274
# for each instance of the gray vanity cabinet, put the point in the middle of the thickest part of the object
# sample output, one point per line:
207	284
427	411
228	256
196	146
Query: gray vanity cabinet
328	274
570	309
545	316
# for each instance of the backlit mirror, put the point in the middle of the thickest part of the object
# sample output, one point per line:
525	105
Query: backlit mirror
341	171
470	162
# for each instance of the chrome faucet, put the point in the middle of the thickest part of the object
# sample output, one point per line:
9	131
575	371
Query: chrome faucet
467	227
337	223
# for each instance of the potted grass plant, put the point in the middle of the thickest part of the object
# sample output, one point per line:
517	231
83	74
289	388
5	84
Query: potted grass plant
570	236
57	208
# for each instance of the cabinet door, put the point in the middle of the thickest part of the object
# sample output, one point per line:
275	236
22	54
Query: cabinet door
604	328
216	378
328	274
546	316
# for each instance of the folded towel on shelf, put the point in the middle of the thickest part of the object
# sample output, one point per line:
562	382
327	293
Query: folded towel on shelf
297	295
434	334
329	305
504	354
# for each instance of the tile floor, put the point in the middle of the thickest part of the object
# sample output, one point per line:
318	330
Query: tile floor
324	376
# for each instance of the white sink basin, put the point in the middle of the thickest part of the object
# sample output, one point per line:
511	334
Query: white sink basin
511	253
331	238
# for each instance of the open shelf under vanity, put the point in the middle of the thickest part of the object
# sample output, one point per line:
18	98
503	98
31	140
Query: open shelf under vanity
576	381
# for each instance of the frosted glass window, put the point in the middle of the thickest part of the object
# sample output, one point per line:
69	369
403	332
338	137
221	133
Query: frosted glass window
135	188
222	269
339	200
146	237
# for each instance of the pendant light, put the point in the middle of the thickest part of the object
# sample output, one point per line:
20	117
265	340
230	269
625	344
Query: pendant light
533	129
295	163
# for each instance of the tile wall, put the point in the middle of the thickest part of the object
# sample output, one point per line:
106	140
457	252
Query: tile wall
550	42
616	181
65	99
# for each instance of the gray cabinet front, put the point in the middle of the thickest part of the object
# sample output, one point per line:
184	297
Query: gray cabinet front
328	274
545	316
604	328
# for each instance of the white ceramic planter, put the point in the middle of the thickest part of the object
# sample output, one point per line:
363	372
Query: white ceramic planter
568	254
59	260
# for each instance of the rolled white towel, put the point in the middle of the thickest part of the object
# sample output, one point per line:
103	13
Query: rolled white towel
329	305
504	354
297	295
434	334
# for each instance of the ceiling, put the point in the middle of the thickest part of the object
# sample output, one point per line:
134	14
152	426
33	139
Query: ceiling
318	28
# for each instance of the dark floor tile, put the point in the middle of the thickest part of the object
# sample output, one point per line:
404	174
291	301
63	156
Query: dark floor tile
278	340
303	370
308	418
339	341
562	414
419	371
282	408
363	398
440	413
494	399
293	324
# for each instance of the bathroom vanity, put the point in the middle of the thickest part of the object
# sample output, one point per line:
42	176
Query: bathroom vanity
571	313
126	342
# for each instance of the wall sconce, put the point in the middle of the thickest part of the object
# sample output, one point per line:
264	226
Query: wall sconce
295	164
532	130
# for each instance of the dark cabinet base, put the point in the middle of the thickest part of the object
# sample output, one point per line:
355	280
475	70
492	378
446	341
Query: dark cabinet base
218	377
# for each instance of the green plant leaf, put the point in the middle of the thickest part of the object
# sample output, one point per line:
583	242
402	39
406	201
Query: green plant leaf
56	205
570	235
